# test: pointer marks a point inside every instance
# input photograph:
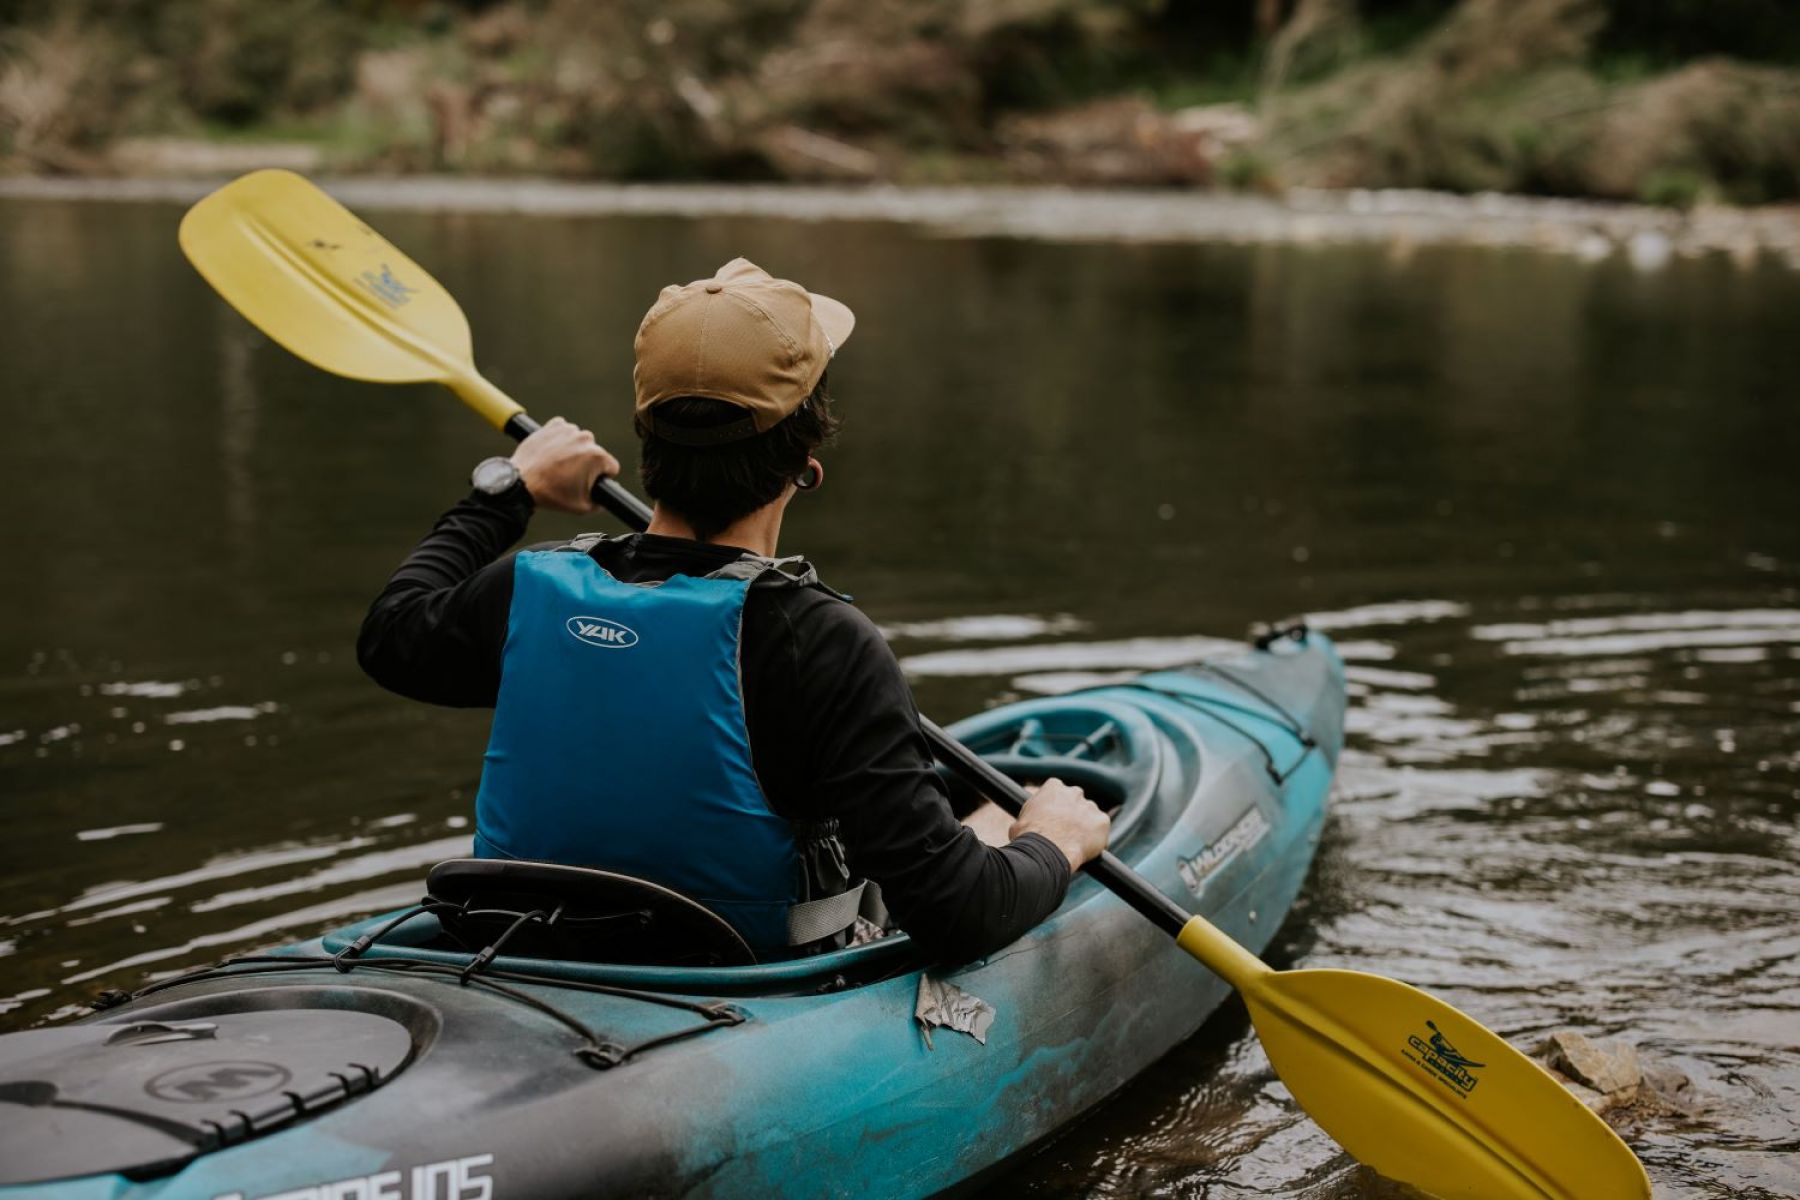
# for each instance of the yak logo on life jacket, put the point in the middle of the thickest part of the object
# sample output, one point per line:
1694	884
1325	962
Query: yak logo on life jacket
598	631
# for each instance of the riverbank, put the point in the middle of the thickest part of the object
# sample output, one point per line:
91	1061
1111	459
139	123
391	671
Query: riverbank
1678	106
1404	220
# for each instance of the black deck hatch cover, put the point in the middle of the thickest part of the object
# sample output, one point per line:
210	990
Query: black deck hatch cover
146	1096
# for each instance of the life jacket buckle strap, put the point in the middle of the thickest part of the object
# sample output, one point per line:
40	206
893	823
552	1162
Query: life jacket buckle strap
818	919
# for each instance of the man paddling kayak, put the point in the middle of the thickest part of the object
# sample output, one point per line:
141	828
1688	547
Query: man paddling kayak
683	706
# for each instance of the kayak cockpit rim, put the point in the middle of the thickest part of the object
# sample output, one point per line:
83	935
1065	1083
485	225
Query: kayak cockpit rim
893	954
1147	752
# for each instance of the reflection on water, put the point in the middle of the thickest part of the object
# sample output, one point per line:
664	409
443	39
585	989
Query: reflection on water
1546	508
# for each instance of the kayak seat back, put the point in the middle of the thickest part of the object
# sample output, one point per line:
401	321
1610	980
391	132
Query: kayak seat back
1107	785
1109	750
581	915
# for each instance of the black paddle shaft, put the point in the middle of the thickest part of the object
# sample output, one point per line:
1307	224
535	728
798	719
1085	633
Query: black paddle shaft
962	762
608	493
1005	791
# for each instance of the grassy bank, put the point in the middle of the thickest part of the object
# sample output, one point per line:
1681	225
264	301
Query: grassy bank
1665	101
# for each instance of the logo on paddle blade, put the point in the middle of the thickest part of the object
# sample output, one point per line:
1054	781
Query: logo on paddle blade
1443	1060
385	288
598	631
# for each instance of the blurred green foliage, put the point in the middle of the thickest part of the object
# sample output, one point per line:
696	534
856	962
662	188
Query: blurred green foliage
1674	101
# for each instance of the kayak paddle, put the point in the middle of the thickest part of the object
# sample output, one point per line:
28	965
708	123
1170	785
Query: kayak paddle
1406	1083
306	271
1409	1085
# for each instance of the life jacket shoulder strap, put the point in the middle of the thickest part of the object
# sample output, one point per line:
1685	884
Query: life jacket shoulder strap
582	543
761	571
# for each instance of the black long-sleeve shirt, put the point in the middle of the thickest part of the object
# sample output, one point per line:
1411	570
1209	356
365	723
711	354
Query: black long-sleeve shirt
833	729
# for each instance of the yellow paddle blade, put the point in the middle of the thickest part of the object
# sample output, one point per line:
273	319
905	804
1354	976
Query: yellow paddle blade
1427	1096
307	272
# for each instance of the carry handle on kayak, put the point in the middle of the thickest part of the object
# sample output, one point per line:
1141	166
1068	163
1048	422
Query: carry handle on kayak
321	282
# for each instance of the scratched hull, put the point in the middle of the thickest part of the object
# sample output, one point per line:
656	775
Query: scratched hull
832	1094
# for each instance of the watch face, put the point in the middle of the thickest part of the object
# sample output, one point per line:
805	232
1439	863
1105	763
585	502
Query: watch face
495	475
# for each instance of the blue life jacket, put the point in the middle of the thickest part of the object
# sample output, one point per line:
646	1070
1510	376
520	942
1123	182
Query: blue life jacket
619	742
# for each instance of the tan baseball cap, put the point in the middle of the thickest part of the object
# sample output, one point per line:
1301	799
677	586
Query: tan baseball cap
742	336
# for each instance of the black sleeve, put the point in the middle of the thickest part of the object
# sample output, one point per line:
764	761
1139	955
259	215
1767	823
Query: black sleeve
870	767
436	631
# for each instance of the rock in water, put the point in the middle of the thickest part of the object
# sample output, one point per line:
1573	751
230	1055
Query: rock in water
1605	1075
1608	1077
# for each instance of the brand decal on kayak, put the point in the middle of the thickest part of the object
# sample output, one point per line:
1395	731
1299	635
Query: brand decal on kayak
385	288
1436	1055
1244	833
451	1179
204	1083
598	631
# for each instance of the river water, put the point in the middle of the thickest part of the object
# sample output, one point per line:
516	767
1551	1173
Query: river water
1550	508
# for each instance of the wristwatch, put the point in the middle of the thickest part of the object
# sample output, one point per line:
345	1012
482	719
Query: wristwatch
495	476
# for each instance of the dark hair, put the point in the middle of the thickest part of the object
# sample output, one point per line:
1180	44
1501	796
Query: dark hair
711	487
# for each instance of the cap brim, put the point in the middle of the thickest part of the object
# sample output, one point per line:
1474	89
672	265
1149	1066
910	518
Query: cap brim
835	318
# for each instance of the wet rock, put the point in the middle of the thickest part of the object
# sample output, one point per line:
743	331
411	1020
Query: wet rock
1599	1102
1610	1079
1609	1068
1667	1090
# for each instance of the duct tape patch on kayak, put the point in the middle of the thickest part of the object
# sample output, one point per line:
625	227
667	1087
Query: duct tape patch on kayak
944	1005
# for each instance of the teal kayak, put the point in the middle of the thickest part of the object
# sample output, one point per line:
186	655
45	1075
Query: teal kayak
388	1061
